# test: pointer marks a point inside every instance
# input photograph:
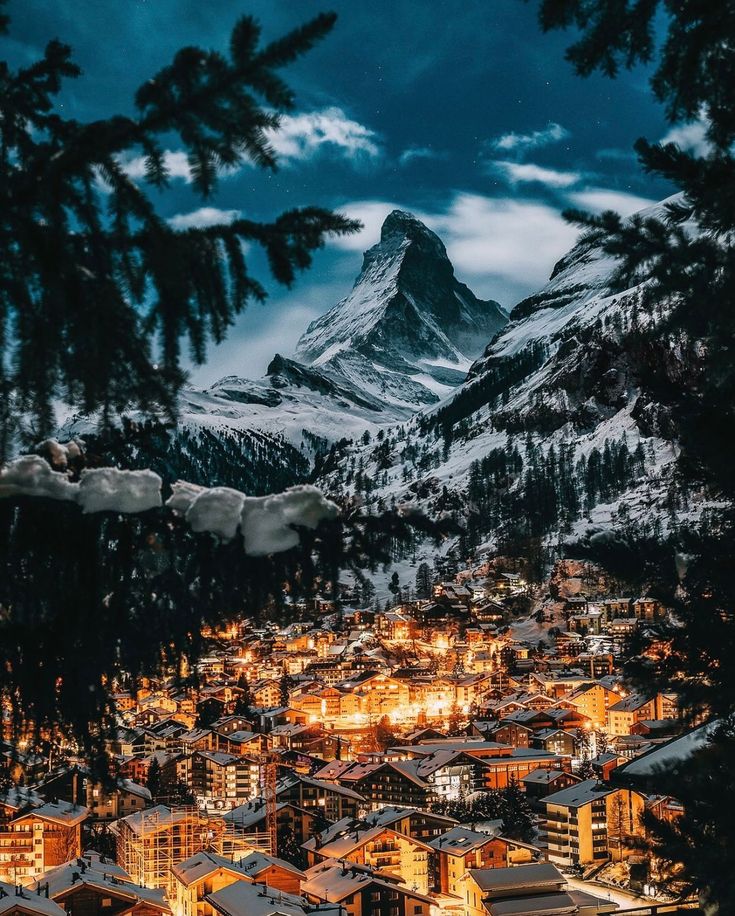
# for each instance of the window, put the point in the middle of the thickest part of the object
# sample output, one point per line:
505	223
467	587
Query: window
107	901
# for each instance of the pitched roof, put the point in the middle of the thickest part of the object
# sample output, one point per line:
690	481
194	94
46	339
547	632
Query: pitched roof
461	840
353	836
583	793
631	703
61	812
334	881
389	814
199	866
544	776
245	899
257	862
27	901
537	905
91	872
524	877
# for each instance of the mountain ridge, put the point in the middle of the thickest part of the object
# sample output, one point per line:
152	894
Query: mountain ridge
402	339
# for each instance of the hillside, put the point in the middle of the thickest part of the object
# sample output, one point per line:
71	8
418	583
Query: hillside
549	433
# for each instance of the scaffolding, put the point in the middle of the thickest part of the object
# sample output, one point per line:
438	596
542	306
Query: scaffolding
152	842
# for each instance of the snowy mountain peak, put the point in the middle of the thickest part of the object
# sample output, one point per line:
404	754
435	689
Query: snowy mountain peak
407	314
400	225
402	340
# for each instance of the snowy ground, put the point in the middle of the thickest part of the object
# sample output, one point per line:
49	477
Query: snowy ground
624	899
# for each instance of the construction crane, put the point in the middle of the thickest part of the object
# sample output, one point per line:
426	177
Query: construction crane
268	774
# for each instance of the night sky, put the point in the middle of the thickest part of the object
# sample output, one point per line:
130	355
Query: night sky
463	113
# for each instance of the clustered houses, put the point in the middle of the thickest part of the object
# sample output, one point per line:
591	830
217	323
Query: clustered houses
369	729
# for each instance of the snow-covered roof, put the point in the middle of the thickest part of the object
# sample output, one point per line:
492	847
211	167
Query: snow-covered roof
675	751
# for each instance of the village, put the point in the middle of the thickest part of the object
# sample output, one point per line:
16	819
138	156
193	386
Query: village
475	751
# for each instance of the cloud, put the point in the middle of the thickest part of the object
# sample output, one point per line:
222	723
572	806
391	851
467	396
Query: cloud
552	133
303	136
515	242
691	137
204	216
505	246
419	152
601	199
300	137
615	154
175	160
248	349
371	214
516	172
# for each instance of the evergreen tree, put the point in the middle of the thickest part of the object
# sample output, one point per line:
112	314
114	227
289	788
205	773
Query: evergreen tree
289	848
384	736
244	702
285	686
688	257
454	723
423	581
153	782
517	817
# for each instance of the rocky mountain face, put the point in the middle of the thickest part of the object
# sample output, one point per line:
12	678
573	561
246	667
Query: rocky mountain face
409	328
402	339
550	432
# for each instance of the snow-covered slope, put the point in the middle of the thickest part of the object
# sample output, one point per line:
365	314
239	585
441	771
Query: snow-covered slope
401	340
550	430
408	329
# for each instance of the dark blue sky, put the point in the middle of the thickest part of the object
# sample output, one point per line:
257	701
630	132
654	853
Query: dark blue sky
462	112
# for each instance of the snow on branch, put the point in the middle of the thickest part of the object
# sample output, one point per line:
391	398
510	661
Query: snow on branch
267	524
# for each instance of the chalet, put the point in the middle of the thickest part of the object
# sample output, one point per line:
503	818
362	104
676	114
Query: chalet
331	800
624	714
593	701
556	741
39	839
379	847
221	780
512	733
310	739
545	781
244	898
360	891
273	872
413	822
242	741
200	875
88	884
75	785
379	693
248	820
528	890
461	848
229	724
15	901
